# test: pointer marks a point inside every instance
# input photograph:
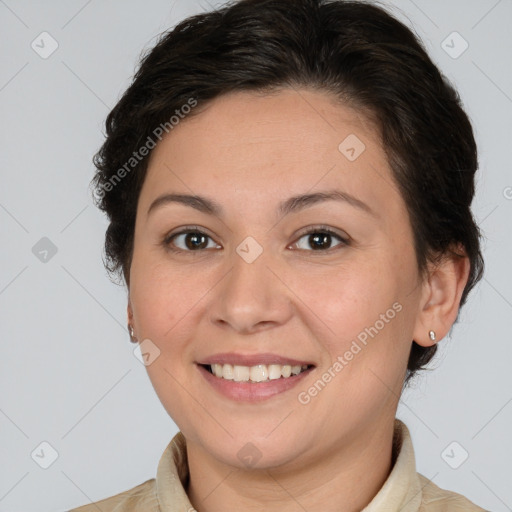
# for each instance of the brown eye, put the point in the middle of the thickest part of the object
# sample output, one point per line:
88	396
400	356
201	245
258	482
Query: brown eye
319	240
190	241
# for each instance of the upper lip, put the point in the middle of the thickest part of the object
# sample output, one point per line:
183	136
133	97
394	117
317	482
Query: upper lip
252	360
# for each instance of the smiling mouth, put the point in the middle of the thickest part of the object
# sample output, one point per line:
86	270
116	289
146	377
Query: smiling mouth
257	373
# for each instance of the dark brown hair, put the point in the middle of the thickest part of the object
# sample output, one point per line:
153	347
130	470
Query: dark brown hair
353	50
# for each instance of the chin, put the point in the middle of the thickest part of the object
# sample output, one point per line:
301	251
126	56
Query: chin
252	450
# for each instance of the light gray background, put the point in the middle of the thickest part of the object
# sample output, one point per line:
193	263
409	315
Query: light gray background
68	375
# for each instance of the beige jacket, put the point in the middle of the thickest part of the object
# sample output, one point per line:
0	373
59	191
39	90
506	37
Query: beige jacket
405	490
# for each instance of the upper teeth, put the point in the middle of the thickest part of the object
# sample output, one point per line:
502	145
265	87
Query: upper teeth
258	373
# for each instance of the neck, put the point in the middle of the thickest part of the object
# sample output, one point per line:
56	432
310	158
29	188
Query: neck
344	478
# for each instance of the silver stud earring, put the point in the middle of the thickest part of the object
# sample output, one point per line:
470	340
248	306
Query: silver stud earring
432	335
132	333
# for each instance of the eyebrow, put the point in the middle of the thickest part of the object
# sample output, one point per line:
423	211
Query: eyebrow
293	204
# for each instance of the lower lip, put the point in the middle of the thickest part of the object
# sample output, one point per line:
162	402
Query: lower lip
252	391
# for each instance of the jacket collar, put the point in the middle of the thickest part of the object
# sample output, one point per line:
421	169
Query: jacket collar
402	489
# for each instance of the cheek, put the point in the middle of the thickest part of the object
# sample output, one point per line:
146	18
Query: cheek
366	351
162	296
362	311
165	302
349	297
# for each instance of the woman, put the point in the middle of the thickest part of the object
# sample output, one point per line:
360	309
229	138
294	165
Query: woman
288	185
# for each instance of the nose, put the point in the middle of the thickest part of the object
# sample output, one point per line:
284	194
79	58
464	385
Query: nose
251	297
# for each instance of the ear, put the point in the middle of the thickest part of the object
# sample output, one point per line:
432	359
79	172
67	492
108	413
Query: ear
441	294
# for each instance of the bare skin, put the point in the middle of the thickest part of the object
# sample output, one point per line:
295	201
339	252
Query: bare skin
249	153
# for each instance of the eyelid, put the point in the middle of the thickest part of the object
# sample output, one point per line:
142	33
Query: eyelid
322	228
186	229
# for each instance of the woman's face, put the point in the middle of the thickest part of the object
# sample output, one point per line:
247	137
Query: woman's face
263	282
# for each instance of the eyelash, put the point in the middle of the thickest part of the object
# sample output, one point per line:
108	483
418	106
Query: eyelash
318	229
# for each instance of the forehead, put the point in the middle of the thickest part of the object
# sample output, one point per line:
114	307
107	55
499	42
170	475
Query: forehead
281	119
285	143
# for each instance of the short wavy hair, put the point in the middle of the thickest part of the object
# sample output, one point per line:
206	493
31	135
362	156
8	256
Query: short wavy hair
355	51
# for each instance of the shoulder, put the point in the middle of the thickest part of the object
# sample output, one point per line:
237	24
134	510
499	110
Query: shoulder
436	499
141	497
